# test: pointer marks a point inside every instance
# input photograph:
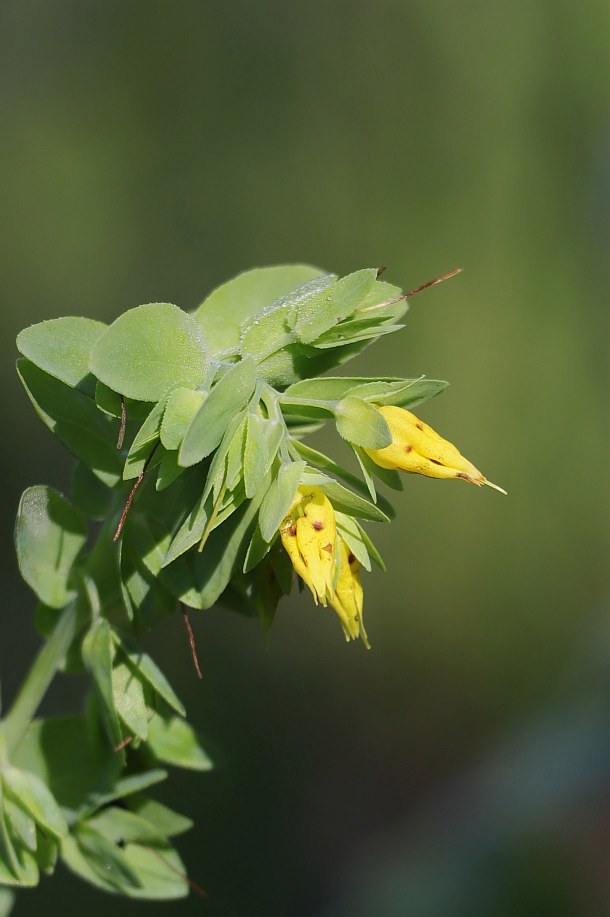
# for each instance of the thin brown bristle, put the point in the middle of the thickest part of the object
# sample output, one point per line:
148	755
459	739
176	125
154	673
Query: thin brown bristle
432	283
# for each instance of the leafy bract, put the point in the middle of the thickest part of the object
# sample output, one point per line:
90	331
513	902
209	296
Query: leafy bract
227	397
98	656
279	498
360	423
230	306
49	535
149	350
320	313
181	407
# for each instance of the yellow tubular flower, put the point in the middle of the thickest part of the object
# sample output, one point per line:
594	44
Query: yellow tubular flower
349	596
417	448
308	535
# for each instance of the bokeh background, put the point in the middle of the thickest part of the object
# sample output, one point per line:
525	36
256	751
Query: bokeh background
151	150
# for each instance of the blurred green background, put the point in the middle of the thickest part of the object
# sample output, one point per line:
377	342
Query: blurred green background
152	150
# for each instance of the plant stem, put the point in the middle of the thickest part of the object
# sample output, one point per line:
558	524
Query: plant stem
39	677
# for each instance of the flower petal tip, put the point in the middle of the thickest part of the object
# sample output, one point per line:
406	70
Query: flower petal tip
496	487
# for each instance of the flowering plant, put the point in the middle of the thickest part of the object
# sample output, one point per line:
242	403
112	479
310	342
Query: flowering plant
192	473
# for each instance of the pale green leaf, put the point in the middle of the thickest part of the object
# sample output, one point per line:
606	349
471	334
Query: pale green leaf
149	350
182	405
222	315
278	498
49	535
226	399
62	347
361	424
32	794
75	420
173	741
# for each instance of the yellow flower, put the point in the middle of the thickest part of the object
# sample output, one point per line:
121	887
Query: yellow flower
308	533
349	596
417	448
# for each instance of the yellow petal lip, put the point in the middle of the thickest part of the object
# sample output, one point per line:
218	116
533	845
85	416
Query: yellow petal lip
418	449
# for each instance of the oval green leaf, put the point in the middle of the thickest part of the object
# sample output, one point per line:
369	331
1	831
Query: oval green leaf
149	350
49	535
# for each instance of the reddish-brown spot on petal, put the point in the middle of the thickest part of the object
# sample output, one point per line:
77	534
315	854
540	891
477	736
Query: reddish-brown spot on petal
328	547
318	526
292	530
419	426
408	449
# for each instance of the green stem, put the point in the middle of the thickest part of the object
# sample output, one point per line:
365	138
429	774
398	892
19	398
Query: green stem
39	677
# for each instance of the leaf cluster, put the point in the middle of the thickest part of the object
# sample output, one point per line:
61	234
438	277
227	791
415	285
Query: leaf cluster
187	430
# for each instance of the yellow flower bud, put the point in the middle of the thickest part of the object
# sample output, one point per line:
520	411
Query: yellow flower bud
308	535
349	596
417	448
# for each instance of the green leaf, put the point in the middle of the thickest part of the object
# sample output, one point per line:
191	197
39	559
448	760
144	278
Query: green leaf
166	821
224	312
46	853
28	791
257	550
366	471
9	859
361	424
190	531
235	457
111	403
371	549
98	656
225	551
62	347
120	826
313	457
174	741
149	350
320	313
406	393
217	472
388	476
129	701
66	754
226	399
160	873
17	864
75	421
7	901
143	443
148	669
148	594
122	789
89	495
106	859
278	498
22	824
353	333
182	405
169	471
49	536
256	457
351	533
